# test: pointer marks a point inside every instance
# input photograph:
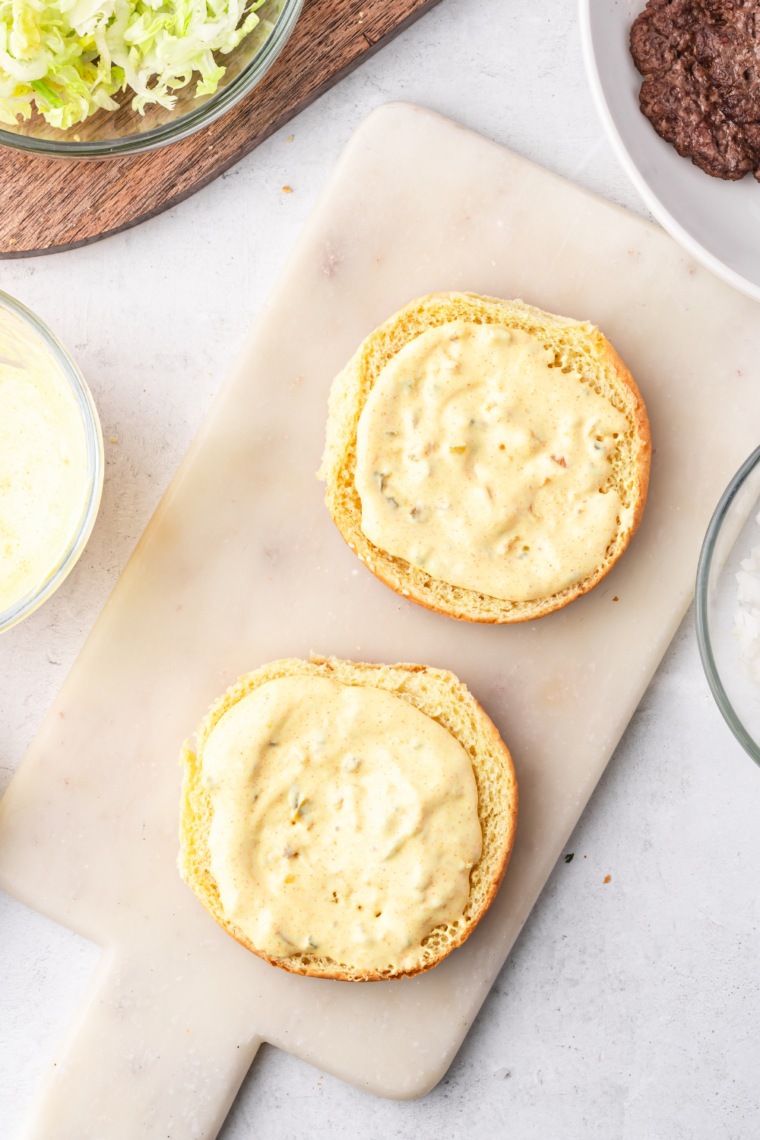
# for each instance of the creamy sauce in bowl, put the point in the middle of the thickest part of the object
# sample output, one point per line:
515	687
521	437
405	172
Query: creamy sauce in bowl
44	478
487	467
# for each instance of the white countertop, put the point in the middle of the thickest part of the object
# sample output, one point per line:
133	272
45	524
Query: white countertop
627	1009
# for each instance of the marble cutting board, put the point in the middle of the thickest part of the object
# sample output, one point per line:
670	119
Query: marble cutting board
241	564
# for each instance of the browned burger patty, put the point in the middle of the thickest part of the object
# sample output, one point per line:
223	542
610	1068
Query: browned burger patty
701	92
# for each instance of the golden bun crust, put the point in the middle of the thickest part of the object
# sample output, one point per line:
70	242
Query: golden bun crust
439	695
575	344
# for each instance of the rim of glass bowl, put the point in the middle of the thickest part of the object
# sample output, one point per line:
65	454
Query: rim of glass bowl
730	715
95	465
206	113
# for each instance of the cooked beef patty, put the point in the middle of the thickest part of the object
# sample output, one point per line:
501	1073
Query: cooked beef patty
701	65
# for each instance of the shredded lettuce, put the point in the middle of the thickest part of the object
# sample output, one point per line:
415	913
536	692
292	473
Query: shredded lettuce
70	57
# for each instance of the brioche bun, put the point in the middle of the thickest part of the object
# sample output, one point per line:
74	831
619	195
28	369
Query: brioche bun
576	345
439	695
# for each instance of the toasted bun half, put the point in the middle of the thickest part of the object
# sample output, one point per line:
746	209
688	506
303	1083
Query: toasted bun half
439	695
576	345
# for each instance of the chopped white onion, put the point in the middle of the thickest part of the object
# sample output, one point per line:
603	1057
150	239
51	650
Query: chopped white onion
747	616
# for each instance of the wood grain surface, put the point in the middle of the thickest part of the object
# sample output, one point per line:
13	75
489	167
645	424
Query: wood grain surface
47	205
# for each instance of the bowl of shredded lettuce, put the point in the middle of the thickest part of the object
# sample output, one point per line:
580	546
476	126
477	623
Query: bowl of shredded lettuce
105	78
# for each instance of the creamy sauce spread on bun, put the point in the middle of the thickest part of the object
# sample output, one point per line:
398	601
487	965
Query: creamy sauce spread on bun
345	821
486	466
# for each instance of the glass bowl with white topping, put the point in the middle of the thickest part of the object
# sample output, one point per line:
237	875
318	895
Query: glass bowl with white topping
51	462
728	605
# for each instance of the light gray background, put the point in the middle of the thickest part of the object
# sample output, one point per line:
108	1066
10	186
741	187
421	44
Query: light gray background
627	1011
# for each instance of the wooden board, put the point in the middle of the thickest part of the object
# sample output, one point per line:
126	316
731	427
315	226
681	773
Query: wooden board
242	564
48	205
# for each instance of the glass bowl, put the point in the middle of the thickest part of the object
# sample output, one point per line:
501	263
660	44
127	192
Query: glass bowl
731	535
114	134
31	342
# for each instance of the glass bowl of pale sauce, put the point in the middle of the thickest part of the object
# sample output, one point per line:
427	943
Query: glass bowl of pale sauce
728	605
51	462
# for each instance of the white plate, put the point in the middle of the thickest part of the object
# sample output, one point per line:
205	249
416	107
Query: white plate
717	222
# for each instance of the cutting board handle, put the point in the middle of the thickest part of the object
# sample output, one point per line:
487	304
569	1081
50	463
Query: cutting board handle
146	1055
